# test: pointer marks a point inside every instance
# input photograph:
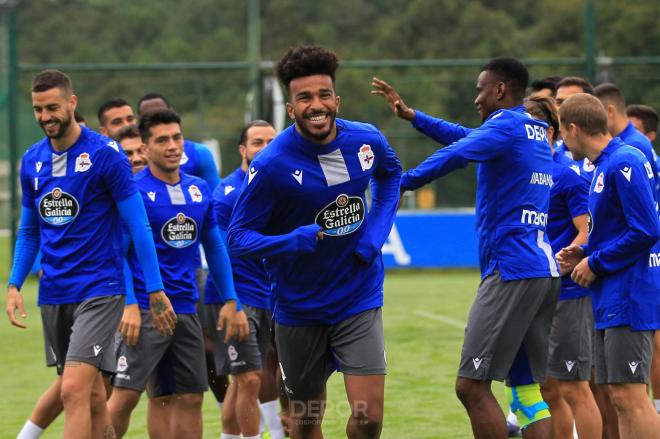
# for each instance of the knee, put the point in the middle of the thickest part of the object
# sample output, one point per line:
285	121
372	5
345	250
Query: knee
368	417
468	391
550	393
122	400
249	381
72	393
190	400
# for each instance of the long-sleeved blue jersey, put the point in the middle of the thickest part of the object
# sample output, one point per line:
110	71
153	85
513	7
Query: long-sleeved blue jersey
181	217
250	277
623	229
296	188
514	177
585	165
568	199
197	160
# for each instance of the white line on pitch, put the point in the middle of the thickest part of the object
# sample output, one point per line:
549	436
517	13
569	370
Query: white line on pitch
440	318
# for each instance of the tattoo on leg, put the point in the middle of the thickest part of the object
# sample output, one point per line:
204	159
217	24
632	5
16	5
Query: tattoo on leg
109	433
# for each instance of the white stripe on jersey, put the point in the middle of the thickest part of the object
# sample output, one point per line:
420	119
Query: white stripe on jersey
548	253
176	194
59	165
334	168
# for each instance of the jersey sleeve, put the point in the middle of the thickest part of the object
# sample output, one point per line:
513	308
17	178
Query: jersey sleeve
643	231
219	264
223	205
206	168
576	193
26	247
250	217
117	175
439	129
385	198
26	186
487	142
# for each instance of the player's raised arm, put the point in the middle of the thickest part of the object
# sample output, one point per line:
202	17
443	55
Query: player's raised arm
400	109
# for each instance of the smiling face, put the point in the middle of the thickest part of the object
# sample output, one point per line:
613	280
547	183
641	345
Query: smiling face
313	106
114	119
489	92
165	147
257	137
134	150
54	111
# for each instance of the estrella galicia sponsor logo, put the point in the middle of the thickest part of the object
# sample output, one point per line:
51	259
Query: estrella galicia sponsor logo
341	217
58	207
180	231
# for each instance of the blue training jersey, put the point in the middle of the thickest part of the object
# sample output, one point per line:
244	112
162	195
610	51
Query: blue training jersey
250	277
74	194
296	188
197	160
585	165
623	228
178	214
568	199
633	137
514	177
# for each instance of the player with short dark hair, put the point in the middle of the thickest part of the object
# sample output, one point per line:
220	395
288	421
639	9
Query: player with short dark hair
303	209
114	115
179	208
645	119
545	87
520	279
76	186
619	264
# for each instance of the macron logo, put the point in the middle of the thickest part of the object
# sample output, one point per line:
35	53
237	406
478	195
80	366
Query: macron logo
297	174
251	175
633	366
97	349
477	362
152	196
38	166
654	260
229	189
569	365
627	172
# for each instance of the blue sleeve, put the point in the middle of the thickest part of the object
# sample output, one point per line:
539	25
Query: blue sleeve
384	200
27	199
487	142
134	215
206	168
643	229
219	264
250	217
222	208
117	174
439	129
128	274
576	193
26	247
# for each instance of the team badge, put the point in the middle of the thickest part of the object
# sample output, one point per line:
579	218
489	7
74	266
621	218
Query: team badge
184	158
83	163
366	156
195	193
58	207
233	354
122	364
587	165
180	231
341	217
600	183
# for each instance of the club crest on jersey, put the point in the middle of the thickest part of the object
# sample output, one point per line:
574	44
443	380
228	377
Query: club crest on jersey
58	207
180	231
83	163
366	156
341	217
195	193
184	158
122	364
599	185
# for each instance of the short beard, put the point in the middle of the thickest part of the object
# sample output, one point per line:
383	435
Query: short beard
319	137
64	125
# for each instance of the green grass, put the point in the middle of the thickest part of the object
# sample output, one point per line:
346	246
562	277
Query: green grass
422	316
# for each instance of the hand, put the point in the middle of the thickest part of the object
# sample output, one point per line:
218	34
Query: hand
162	313
582	274
129	327
233	322
569	257
395	102
14	302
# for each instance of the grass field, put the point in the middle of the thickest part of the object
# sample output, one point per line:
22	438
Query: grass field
424	315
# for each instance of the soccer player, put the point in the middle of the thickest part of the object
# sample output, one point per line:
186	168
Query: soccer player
618	264
245	360
179	208
303	209
520	278
544	87
131	142
569	358
114	115
76	185
620	126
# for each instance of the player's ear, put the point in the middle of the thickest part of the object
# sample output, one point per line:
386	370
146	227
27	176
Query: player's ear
103	131
500	90
337	102
242	150
652	135
73	102
290	111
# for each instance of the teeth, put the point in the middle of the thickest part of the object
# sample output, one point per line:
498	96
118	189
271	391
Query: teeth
317	118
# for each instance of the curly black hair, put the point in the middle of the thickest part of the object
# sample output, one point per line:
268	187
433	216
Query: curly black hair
306	61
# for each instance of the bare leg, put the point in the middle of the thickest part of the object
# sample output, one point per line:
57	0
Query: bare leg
562	416
78	381
485	414
306	417
587	417
606	409
366	394
159	413
637	416
247	402
101	420
229	419
49	405
186	420
121	404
